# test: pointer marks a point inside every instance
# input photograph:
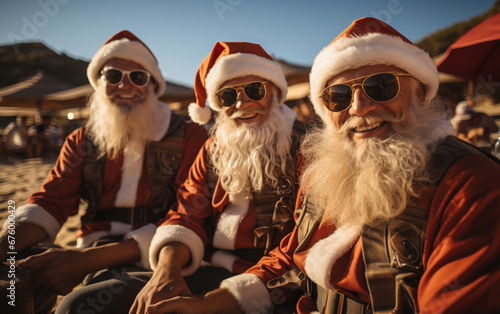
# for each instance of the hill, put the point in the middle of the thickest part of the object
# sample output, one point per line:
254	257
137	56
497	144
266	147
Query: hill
437	42
23	60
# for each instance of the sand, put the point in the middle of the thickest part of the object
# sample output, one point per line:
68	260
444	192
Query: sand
19	178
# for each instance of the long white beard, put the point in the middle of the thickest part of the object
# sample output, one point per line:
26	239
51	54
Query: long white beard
353	184
245	156
113	128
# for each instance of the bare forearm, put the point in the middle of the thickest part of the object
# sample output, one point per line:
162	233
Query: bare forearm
112	255
25	235
174	254
221	301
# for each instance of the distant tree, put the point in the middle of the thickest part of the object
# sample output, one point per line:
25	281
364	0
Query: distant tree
437	42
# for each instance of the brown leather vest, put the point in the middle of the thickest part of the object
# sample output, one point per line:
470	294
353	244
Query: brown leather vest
274	205
163	161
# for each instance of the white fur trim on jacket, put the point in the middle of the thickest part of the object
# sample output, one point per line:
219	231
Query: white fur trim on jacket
250	293
354	52
128	50
90	239
143	237
243	64
229	221
131	173
119	228
164	115
324	253
35	214
223	259
175	233
133	158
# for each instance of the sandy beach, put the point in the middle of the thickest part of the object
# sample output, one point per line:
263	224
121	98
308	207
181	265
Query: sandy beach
19	178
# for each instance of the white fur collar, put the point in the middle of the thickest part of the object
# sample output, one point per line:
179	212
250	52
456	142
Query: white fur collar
326	252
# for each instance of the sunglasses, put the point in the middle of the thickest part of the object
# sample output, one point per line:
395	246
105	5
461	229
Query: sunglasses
113	76
378	87
254	91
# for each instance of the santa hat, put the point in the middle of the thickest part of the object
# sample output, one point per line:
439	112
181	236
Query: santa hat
125	45
226	61
368	41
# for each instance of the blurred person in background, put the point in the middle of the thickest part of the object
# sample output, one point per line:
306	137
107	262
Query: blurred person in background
474	127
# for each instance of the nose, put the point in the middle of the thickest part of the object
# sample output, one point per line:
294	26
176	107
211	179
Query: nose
125	82
241	100
361	104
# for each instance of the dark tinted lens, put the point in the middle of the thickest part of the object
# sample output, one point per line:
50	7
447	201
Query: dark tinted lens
227	97
255	91
381	87
139	78
337	97
113	76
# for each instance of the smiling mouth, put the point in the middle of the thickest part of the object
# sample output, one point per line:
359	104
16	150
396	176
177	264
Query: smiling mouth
247	116
366	128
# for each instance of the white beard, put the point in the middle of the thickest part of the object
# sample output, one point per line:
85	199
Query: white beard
113	128
245	156
357	184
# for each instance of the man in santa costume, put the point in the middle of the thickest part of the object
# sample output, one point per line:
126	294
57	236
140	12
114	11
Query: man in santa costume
238	200
397	215
127	163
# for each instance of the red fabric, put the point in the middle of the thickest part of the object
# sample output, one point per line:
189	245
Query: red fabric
128	35
195	211
219	51
461	249
368	25
476	54
60	194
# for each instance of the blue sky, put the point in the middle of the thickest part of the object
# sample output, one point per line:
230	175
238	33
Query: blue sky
182	32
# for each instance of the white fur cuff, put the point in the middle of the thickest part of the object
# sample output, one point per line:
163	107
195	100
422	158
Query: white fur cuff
35	214
175	233
250	293
143	237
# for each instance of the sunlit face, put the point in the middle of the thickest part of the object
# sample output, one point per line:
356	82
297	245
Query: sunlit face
126	94
363	107
246	110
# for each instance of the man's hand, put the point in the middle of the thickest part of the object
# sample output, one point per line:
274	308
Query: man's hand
166	281
56	271
164	284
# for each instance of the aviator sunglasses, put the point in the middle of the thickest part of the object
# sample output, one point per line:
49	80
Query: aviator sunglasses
114	76
254	91
378	87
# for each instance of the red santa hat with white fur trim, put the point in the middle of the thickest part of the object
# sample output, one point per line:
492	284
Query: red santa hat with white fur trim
368	41
125	45
226	61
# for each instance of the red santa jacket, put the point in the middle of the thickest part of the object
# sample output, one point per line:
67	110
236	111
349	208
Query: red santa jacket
125	184
461	252
224	221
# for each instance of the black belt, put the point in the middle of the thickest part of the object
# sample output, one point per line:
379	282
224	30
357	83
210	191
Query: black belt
135	216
